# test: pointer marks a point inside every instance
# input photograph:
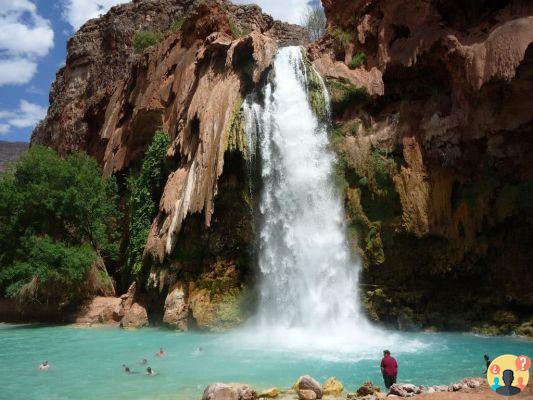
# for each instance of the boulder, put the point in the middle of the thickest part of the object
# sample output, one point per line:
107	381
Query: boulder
472	382
176	309
332	386
306	395
245	392
269	393
100	310
135	317
367	388
455	387
306	382
398	390
220	391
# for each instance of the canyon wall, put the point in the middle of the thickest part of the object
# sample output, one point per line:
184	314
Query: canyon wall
433	125
109	101
431	121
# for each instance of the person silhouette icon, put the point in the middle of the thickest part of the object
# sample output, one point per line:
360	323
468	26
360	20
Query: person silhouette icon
496	383
520	383
508	389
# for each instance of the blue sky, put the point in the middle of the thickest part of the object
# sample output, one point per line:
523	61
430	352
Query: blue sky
33	37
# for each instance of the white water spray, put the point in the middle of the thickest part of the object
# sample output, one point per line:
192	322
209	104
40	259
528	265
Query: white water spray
309	282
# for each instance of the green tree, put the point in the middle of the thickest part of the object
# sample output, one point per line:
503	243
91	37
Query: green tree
59	217
145	189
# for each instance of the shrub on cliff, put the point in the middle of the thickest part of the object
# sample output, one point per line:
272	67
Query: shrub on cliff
144	39
59	220
145	190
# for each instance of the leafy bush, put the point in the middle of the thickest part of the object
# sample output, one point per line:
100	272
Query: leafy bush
357	60
48	270
177	23
144	39
58	217
145	189
342	38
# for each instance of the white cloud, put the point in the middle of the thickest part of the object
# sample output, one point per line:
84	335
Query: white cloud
284	10
77	12
25	36
16	71
26	116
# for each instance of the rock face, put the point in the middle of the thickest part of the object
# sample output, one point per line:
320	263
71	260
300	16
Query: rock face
109	101
10	153
433	127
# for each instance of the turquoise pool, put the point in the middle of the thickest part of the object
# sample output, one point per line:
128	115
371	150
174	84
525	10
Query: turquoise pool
86	362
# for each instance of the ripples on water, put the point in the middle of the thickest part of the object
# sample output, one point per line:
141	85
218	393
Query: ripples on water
86	362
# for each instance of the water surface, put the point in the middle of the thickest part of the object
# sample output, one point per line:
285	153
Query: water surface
86	362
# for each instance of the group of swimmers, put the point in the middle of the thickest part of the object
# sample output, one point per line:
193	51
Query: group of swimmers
149	371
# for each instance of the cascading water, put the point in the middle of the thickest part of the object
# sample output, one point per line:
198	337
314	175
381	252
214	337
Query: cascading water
309	284
308	278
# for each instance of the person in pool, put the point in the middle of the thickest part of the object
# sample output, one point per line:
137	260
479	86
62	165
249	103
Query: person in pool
126	369
487	363
161	353
44	366
508	389
389	369
144	361
150	371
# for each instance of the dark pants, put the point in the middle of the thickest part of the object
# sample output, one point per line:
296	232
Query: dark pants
389	381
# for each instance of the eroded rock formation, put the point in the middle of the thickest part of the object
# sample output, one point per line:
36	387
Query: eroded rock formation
110	101
433	123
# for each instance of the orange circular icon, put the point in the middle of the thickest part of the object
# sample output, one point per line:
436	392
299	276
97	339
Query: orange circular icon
523	363
495	369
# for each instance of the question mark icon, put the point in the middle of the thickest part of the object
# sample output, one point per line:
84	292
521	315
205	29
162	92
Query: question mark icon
523	363
495	369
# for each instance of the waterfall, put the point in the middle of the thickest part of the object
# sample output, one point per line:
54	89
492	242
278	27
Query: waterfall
309	280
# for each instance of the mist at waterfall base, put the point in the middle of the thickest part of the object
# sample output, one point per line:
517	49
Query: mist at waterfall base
308	319
308	278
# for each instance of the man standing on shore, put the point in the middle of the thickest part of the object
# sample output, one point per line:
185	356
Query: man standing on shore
389	369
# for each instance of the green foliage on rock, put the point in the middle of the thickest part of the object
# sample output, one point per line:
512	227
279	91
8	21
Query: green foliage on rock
59	217
177	23
342	38
344	94
237	30
315	89
357	60
236	135
145	39
144	191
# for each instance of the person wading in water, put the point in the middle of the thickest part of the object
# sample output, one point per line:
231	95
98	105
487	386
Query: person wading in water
389	369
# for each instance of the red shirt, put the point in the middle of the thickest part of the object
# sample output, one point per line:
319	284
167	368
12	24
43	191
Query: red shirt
390	366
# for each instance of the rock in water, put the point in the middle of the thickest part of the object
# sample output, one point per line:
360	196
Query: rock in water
306	395
367	388
220	391
332	386
306	382
269	393
176	308
135	317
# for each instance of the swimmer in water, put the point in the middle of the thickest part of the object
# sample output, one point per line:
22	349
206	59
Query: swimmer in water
150	371
126	369
44	365
144	361
199	351
161	353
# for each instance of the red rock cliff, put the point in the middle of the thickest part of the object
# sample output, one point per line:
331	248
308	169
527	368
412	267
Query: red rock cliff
434	128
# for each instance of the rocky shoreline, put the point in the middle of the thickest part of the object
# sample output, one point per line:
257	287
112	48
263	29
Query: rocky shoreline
308	388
